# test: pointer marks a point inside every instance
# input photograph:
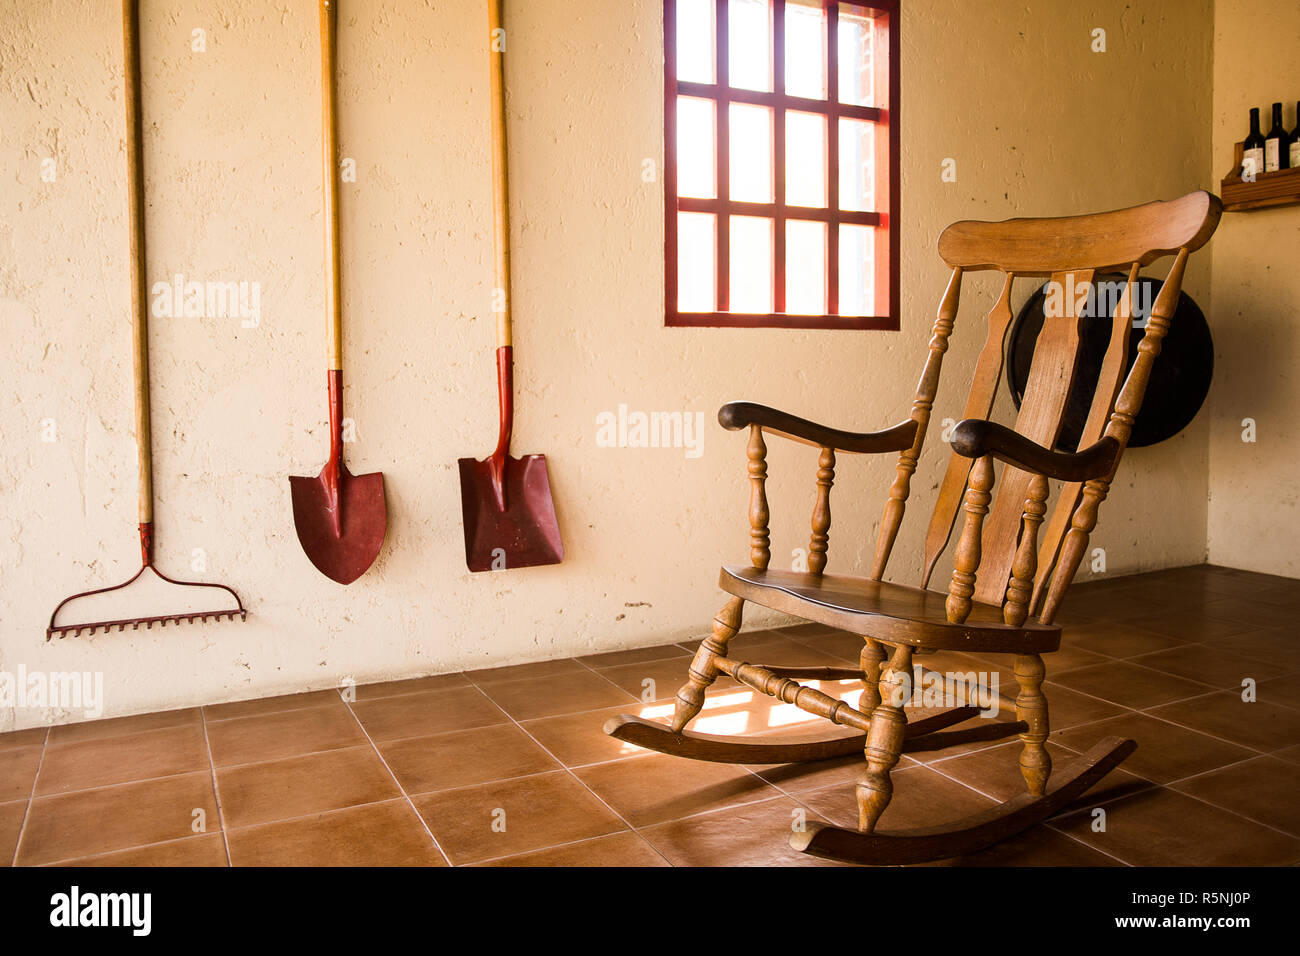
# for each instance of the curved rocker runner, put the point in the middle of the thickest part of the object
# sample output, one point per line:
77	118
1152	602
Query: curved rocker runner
1007	585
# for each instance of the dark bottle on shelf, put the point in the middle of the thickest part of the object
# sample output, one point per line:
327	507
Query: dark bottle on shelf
1295	140
1276	145
1252	150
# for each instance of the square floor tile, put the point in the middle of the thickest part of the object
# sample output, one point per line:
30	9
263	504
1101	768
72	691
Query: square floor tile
637	655
616	850
1164	752
1263	789
286	734
122	759
414	685
921	798
32	737
420	715
1260	725
121	726
272	705
1121	640
84	822
464	758
757	834
510	817
18	767
580	739
207	849
658	787
11	822
1159	827
1130	685
562	694
296	786
379	834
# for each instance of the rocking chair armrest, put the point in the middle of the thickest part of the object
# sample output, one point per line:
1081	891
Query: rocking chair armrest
975	438
736	415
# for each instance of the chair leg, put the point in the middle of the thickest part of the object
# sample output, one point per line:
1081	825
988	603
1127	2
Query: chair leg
690	698
1031	707
884	739
869	661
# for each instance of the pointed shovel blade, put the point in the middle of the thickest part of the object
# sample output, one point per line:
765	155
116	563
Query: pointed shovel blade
341	557
525	534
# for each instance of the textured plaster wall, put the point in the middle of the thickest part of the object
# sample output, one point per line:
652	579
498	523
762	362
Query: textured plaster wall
1036	122
1254	515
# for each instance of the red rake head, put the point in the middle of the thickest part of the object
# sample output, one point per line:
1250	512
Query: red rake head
56	629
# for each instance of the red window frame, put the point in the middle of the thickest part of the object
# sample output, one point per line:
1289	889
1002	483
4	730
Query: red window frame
884	220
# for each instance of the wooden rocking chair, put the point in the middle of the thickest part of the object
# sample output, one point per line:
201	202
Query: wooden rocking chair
1018	579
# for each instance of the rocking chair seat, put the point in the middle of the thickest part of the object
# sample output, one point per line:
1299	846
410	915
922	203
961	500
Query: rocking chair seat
895	613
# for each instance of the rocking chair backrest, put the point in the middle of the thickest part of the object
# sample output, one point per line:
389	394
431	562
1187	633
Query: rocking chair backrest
1071	251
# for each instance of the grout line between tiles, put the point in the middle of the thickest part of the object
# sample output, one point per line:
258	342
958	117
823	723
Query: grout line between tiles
398	783
216	787
31	795
582	783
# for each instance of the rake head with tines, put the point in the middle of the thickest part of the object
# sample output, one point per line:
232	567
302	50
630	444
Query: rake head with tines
146	555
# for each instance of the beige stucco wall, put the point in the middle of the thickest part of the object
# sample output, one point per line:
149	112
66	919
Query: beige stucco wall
1037	123
1254	515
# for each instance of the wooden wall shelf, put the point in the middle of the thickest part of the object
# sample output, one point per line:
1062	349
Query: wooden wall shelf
1281	188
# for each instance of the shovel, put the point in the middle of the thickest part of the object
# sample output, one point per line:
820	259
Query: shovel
505	502
341	518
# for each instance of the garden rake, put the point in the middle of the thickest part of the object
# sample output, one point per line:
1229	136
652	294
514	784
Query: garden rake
191	607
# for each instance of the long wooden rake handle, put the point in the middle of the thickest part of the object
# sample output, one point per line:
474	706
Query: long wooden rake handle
500	193
330	128
139	288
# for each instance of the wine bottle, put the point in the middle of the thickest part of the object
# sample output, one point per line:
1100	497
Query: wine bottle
1276	148
1295	140
1252	150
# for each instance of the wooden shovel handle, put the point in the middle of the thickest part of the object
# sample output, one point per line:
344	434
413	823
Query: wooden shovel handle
500	195
329	135
139	290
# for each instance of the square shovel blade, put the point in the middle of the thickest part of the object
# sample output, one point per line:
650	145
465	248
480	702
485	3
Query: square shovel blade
342	557
525	534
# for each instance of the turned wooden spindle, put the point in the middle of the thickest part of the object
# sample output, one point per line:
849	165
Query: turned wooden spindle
979	404
921	406
966	558
821	516
1031	707
1119	427
884	739
869	660
703	670
808	699
760	540
1025	564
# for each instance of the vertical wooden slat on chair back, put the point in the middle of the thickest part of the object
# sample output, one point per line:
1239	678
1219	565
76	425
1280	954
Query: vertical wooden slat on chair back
1068	250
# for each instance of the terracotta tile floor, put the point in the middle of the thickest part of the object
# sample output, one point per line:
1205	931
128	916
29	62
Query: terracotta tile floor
509	766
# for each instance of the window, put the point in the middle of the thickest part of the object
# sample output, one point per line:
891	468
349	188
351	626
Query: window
781	171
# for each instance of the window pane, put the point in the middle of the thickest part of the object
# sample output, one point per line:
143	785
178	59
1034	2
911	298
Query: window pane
696	271
857	270
751	264
856	62
749	45
805	267
751	152
857	165
805	49
695	41
805	159
697	167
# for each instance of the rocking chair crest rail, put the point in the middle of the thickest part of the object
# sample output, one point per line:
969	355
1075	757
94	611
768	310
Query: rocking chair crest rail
1006	585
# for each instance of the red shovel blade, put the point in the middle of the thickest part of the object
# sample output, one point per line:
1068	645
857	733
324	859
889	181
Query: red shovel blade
525	533
341	532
